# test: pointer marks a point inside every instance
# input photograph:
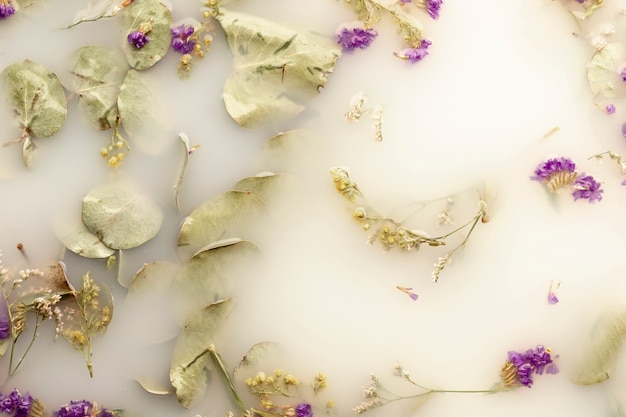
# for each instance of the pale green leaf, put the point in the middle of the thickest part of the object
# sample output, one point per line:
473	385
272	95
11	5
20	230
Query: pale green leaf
183	167
261	185
153	277
189	370
154	387
28	148
37	97
97	73
120	217
275	68
223	216
140	113
159	18
603	71
77	238
607	340
97	10
211	274
252	358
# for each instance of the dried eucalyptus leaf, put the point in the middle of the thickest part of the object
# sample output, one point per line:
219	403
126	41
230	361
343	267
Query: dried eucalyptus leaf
28	148
139	112
153	387
159	17
254	355
153	277
97	10
262	185
57	279
77	238
183	167
275	68
97	73
221	217
120	217
37	97
209	275
189	370
603	71
607	340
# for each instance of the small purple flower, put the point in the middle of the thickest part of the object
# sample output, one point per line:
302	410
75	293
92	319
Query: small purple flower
355	38
405	1
75	409
6	9
587	187
408	291
553	166
624	130
580	1
138	38
181	41
432	7
622	73
533	361
552	298
304	410
415	54
610	109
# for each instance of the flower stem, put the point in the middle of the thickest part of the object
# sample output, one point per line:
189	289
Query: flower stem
32	340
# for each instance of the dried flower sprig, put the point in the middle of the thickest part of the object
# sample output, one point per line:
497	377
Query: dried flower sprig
84	408
517	371
192	41
117	150
613	157
371	11
357	111
32	292
280	384
391	233
89	316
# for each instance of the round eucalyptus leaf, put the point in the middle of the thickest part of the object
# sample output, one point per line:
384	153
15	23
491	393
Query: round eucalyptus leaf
139	112
223	216
120	217
37	97
77	238
153	277
191	361
603	71
158	18
262	184
275	68
97	73
211	274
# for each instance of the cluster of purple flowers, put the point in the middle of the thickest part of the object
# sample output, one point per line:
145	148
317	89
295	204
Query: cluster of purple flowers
138	38
5	328
304	410
533	361
558	173
355	38
415	54
82	408
16	404
6	9
181	39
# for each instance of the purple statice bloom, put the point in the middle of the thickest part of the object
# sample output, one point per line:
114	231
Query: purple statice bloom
553	166
610	109
75	409
415	54
587	187
580	1
181	41
138	38
9	403
405	1
533	361
622	73
23	406
624	130
432	7
304	410
5	328
355	38
6	9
